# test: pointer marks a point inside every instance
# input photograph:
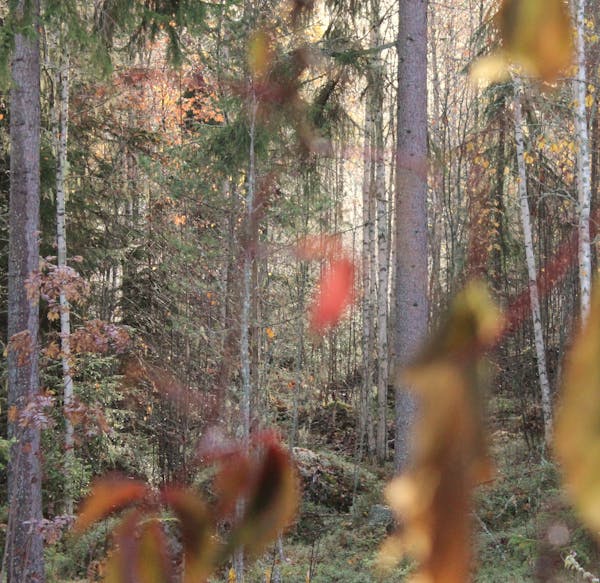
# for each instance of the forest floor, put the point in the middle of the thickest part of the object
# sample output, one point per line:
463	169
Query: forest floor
340	528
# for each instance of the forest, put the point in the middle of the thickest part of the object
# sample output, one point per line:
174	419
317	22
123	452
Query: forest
299	291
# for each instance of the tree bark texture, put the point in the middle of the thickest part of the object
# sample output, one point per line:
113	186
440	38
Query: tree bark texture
24	545
540	349
584	169
410	327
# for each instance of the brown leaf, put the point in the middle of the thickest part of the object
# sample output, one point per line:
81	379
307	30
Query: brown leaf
433	499
120	565
537	34
196	531
272	500
109	495
154	562
577	429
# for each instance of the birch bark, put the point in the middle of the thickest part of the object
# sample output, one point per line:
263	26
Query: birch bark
540	349
584	172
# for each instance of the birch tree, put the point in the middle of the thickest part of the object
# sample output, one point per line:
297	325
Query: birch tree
584	168
540	349
61	141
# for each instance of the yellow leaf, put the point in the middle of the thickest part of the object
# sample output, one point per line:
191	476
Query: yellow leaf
231	577
577	430
589	100
449	457
537	34
270	333
260	54
490	69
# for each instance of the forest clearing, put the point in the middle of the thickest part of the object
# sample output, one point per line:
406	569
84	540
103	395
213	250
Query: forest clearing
299	291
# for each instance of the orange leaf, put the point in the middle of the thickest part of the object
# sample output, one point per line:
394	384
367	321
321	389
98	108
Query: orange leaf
154	562
335	294
109	495
272	501
196	532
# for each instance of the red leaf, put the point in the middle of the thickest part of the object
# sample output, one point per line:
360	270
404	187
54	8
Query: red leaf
196	532
272	501
109	495
335	294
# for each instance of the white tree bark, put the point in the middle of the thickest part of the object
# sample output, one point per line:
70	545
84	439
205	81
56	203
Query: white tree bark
584	167
381	260
61	133
540	349
367	281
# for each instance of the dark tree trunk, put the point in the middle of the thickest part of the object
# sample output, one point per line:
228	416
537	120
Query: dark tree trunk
411	312
24	560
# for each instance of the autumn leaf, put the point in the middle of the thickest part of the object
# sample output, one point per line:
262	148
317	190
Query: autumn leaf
535	35
577	428
271	503
335	294
109	495
154	562
432	500
120	566
260	54
196	532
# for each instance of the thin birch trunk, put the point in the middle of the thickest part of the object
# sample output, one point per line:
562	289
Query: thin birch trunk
367	311
61	244
584	192
245	356
381	260
540	349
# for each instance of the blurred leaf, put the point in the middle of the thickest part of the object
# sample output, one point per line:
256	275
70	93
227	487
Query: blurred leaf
537	34
433	499
196	532
490	69
260	54
154	562
109	495
577	429
120	566
232	482
272	501
335	293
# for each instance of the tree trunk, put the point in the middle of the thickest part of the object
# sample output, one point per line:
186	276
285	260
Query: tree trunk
381	261
540	349
61	244
24	543
584	193
411	313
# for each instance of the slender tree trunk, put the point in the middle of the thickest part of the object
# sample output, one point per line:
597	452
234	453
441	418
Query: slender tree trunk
24	543
540	349
410	326
61	244
245	323
584	192
367	284
381	261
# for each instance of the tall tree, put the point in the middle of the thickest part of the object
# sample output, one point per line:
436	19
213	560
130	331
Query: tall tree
24	546
411	313
584	167
61	142
540	348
